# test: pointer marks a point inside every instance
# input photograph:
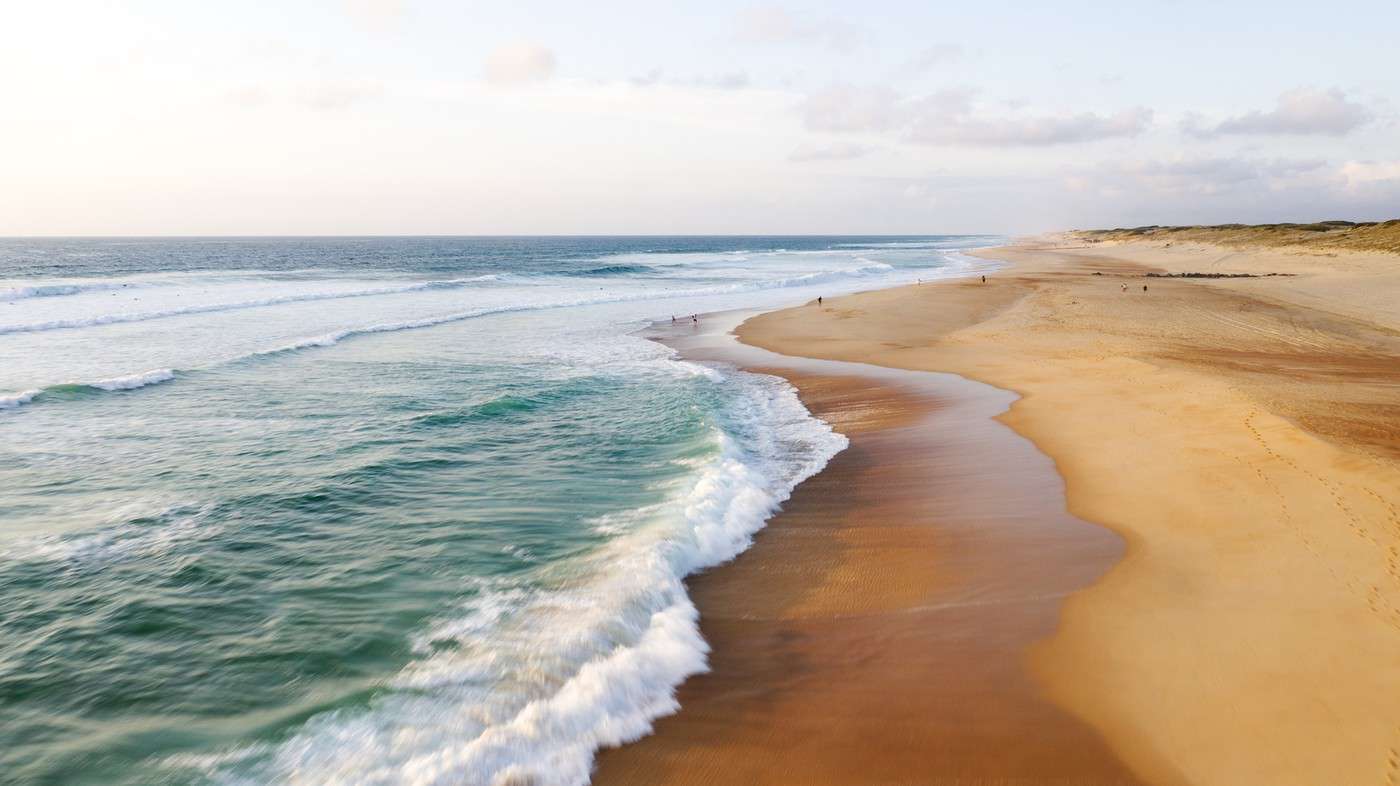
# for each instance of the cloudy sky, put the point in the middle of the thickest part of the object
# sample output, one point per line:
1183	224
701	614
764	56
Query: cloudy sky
636	116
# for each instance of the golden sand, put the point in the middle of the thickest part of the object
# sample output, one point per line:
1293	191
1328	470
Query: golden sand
925	612
1242	435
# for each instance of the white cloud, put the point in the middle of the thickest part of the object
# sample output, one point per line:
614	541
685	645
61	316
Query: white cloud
964	128
1198	176
248	95
376	15
336	94
1365	173
323	94
1298	112
650	78
1213	190
733	80
772	24
519	63
847	108
841	152
937	54
949	117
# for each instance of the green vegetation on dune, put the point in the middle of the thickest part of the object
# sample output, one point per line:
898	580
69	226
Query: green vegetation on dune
1381	236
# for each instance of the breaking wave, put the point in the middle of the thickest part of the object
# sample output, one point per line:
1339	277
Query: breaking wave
531	681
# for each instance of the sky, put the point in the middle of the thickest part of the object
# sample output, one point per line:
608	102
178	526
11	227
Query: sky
368	117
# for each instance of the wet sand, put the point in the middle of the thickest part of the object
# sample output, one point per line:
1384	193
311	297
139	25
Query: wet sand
877	631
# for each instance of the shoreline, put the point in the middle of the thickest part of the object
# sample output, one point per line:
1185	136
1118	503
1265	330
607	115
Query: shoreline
875	631
1241	436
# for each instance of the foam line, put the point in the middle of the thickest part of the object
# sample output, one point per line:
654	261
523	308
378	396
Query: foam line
142	316
606	649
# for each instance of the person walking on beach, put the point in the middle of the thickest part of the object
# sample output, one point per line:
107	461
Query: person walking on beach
1144	287
984	279
695	318
819	300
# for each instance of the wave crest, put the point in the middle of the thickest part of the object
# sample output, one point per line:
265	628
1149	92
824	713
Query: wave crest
209	308
129	382
533	680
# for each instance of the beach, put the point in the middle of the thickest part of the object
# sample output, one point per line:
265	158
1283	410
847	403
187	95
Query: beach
425	393
1212	598
875	630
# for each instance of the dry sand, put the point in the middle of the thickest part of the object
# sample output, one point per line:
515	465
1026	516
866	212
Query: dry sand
1243	436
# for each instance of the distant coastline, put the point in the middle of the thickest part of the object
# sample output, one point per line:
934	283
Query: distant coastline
1376	236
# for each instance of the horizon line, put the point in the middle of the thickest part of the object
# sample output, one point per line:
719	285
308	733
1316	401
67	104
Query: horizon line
504	235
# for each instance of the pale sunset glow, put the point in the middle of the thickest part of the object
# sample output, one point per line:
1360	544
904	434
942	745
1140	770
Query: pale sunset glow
420	116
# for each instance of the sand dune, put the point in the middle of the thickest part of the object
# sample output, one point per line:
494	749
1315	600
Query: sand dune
1315	238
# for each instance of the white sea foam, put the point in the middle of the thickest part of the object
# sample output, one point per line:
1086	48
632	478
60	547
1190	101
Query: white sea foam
12	400
128	382
844	276
46	290
867	268
807	279
329	339
527	684
136	529
699	370
133	381
207	308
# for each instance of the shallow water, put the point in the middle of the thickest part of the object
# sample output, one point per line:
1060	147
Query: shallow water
384	511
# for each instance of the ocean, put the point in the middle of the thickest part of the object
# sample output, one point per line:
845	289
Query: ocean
379	510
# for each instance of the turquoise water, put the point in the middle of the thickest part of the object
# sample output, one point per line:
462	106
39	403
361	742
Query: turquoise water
383	511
